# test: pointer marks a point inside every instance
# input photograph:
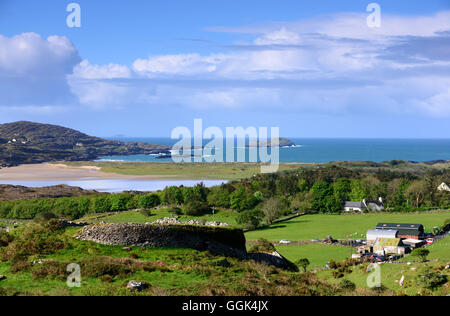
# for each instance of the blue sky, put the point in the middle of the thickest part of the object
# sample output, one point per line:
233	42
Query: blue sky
312	68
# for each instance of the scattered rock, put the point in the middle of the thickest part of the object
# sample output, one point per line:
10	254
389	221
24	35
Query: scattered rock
175	221
137	286
126	249
2	277
402	281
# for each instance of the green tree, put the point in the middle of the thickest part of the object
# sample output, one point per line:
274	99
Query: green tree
250	218
172	195
272	209
422	253
303	263
149	201
342	189
322	196
358	190
196	208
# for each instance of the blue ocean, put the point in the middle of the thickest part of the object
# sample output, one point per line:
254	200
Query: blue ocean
328	150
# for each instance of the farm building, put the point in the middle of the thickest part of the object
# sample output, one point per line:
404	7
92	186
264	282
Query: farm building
373	234
389	246
414	243
405	231
354	206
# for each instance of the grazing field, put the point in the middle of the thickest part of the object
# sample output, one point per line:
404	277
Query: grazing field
440	250
317	254
194	171
236	170
342	226
224	216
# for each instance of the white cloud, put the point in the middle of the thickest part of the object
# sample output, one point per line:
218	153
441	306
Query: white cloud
85	70
29	54
33	70
182	64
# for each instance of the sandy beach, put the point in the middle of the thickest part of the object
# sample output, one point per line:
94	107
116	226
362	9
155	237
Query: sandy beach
61	172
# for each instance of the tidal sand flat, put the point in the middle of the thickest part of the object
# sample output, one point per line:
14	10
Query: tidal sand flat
89	178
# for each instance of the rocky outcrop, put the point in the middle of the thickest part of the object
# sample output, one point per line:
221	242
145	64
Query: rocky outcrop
175	221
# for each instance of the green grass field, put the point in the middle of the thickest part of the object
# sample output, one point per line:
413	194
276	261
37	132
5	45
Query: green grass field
440	250
317	254
341	226
235	171
194	171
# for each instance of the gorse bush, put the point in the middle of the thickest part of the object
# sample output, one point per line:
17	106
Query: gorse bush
431	280
262	245
33	239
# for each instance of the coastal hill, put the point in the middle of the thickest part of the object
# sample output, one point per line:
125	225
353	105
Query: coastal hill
28	142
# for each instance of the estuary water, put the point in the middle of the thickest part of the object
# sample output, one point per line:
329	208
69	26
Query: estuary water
328	150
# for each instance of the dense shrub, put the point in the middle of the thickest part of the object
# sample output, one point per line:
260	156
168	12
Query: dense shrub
262	245
196	208
250	219
430	279
149	201
33	239
5	238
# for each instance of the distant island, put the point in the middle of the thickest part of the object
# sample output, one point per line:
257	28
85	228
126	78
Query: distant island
283	142
28	142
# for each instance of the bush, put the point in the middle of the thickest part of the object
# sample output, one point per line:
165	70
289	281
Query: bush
119	201
347	285
250	219
34	239
422	253
175	211
45	216
262	245
196	208
149	201
431	280
303	263
5	238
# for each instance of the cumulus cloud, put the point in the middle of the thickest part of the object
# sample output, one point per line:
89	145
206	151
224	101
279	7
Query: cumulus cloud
86	70
33	70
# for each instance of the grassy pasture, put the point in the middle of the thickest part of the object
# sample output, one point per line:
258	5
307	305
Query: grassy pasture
342	226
